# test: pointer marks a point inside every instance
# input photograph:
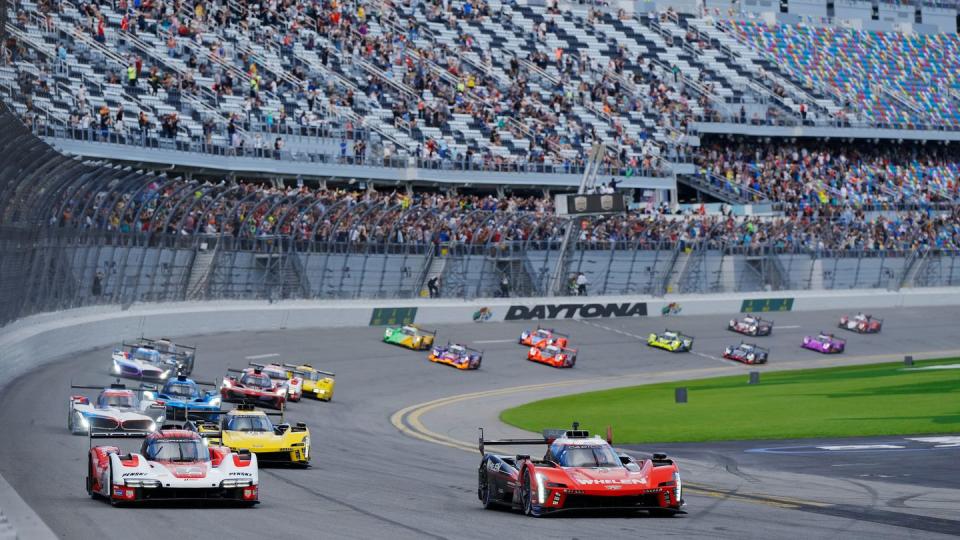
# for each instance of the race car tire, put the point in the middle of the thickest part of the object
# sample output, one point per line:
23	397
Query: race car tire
90	472
483	489
526	493
573	361
113	502
662	512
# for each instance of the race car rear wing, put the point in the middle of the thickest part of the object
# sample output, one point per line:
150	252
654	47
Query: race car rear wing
553	331
756	347
831	336
680	335
508	442
181	350
114	386
303	373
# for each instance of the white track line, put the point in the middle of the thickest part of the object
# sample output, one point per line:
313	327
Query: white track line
495	341
792	326
614	330
259	356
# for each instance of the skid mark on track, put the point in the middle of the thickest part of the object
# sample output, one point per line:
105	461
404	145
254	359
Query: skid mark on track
334	500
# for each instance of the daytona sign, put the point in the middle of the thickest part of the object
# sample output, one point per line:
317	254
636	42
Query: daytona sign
576	311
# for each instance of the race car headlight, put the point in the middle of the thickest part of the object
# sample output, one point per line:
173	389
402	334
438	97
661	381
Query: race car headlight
148	395
541	492
235	482
215	402
84	422
144	483
115	368
165	374
152	428
678	490
306	441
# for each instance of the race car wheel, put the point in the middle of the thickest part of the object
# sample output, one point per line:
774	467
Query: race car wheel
483	489
662	513
113	502
573	361
90	476
526	494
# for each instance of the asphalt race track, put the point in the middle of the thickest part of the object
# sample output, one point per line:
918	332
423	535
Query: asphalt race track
372	480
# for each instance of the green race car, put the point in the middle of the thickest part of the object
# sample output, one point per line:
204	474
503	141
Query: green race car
410	336
671	341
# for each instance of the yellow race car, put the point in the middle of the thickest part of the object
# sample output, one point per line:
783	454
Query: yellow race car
670	340
247	428
410	336
316	383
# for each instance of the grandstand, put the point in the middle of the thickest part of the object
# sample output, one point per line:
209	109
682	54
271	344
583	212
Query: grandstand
230	149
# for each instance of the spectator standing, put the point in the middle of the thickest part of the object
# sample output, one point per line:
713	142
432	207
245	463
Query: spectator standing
433	285
581	284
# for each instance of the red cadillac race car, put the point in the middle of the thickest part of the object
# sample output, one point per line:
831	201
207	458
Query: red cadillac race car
552	355
254	387
860	323
541	337
578	472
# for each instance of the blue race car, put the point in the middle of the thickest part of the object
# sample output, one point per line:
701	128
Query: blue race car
185	400
141	362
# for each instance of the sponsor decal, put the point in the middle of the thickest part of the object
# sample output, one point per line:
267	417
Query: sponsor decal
393	316
673	308
610	481
482	314
576	311
134	474
580	204
766	304
606	202
241	474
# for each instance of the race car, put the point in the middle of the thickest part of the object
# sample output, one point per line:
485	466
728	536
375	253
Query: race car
751	325
117	409
180	357
824	343
315	383
171	465
748	353
281	375
410	336
578	472
553	355
184	398
136	362
671	341
860	323
246	428
541	337
254	387
456	355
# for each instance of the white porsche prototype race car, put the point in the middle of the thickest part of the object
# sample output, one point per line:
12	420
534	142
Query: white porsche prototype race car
117	409
172	464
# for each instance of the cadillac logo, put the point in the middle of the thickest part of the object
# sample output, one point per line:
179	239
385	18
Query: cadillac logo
606	202
580	204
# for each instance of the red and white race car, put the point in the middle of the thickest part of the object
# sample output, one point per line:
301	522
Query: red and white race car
171	465
860	323
552	355
253	386
281	375
541	337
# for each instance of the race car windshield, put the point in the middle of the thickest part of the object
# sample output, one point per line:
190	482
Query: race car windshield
181	390
586	456
258	381
551	350
176	450
147	355
275	374
543	333
115	400
409	331
456	349
249	423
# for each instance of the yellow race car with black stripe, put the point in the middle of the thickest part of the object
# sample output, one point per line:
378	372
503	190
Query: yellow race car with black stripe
670	340
247	428
316	383
410	336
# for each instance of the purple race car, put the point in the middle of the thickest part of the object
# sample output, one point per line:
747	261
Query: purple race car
824	343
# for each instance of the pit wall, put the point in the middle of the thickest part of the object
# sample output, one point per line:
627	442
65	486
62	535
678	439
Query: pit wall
35	340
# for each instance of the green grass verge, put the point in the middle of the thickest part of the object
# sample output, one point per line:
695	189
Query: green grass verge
876	399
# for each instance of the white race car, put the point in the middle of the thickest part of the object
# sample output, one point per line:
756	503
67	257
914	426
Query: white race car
117	409
751	325
172	465
141	362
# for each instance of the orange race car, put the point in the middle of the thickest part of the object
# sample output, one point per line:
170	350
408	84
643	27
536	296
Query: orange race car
552	355
541	337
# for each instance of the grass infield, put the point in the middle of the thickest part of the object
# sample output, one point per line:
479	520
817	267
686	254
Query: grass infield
876	399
